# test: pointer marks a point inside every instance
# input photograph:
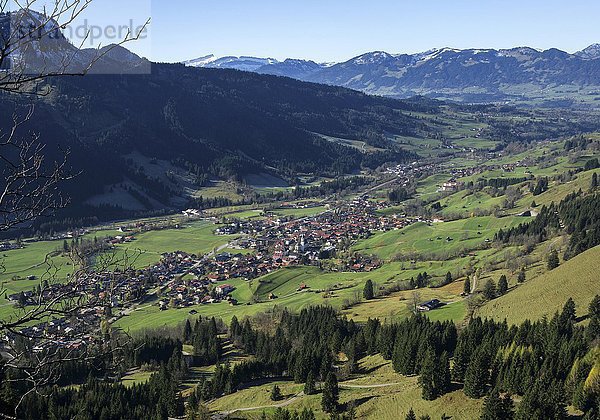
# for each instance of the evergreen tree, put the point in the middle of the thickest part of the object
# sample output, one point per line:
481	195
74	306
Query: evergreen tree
489	289
411	415
568	315
306	414
275	393
448	279
502	285
497	408
427	378
593	329
553	260
329	401
521	277
187	331
309	386
368	292
467	287
442	376
477	375
594	181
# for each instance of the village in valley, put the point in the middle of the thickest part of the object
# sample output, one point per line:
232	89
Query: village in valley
181	280
260	246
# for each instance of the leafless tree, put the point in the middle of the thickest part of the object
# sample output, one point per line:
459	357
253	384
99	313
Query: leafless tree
414	302
35	354
30	189
27	29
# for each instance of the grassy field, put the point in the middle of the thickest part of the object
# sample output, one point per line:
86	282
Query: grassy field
35	259
194	238
396	306
546	294
376	391
465	202
136	377
465	235
325	288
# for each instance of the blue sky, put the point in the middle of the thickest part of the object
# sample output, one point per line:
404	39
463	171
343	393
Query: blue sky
335	30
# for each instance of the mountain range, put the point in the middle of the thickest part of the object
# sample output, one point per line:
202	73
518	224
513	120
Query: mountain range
154	140
473	75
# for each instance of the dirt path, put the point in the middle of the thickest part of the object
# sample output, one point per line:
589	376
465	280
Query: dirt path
352	386
223	414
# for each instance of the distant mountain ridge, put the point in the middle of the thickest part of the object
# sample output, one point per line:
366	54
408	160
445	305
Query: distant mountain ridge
54	53
470	75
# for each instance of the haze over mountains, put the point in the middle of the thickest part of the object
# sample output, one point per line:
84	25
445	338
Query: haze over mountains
472	75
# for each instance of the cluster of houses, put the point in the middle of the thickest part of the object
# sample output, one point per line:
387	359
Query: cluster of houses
7	246
68	333
186	280
181	280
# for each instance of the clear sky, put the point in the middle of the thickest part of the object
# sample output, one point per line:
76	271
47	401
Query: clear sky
336	30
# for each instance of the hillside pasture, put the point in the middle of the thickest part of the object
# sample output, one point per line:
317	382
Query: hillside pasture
547	293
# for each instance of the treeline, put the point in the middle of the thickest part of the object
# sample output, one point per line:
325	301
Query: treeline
331	187
550	363
580	143
398	195
501	182
99	396
578	214
159	398
302	347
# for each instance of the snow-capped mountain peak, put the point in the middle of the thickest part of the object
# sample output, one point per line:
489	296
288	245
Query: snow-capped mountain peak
244	63
201	61
590	53
376	57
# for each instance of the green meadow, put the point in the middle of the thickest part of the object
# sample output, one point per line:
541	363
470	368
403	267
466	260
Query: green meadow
382	394
436	238
547	293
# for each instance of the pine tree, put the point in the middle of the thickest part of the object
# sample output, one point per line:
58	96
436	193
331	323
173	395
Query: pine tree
461	362
594	181
497	408
467	287
593	329
553	260
442	376
309	386
306	414
275	393
368	292
522	276
448	278
476	377
411	415
568	315
329	401
502	285
489	289
427	378
187	331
